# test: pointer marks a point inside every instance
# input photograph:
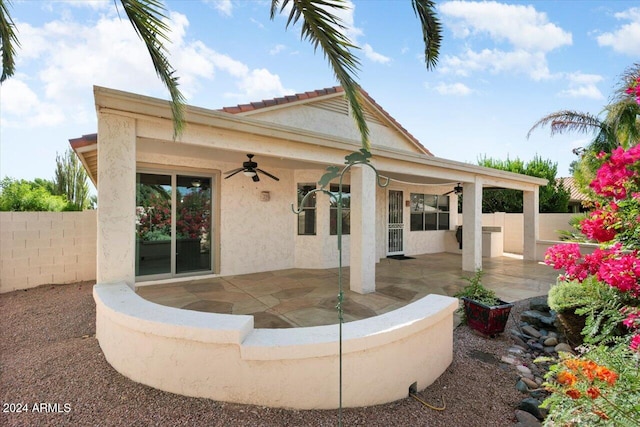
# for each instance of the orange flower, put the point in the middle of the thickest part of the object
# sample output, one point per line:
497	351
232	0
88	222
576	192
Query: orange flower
573	393
572	364
607	375
566	378
593	392
588	368
601	414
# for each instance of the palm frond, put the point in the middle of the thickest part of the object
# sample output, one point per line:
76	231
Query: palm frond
431	30
569	121
628	76
146	16
325	30
8	41
622	118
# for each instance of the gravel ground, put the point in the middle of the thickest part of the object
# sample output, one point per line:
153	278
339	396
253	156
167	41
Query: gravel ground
49	354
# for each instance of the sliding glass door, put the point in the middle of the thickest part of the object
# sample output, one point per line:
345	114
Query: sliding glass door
173	224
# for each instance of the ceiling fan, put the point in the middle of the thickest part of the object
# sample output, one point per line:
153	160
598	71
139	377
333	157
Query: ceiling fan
250	169
457	189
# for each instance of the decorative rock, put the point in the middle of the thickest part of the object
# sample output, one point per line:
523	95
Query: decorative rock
522	387
564	347
531	331
508	360
539	304
525	419
530	383
537	318
523	370
532	406
539	394
549	350
552	334
536	346
516	349
519	341
551	342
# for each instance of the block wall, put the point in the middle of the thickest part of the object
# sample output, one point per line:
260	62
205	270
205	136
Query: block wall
38	248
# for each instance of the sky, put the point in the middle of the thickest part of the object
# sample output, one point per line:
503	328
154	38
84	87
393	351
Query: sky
503	65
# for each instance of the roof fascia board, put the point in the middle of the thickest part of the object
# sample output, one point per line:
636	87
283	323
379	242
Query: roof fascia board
144	107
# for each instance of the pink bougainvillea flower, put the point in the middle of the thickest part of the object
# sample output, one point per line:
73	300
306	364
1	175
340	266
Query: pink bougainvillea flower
635	343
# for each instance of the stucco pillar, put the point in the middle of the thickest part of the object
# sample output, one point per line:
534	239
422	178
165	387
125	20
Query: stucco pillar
117	199
453	211
363	230
472	226
530	208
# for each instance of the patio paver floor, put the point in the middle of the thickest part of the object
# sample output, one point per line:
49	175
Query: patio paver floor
299	297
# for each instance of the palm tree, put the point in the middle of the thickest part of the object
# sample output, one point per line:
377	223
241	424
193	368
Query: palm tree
620	127
320	26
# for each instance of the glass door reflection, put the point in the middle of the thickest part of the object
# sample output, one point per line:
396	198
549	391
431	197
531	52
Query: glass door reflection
193	224
153	224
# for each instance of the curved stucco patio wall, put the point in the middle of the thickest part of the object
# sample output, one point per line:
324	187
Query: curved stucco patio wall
222	357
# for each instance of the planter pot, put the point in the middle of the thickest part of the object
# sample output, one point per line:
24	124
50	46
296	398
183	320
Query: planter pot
488	320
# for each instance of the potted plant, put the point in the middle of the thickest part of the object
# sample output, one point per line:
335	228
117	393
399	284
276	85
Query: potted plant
483	311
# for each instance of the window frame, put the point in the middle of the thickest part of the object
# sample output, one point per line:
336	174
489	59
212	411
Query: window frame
302	217
346	210
431	211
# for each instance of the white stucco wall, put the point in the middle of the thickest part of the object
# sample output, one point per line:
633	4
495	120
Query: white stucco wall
334	123
255	235
512	226
38	248
222	357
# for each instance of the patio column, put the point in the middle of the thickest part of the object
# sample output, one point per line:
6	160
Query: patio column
472	226
363	230
117	195
531	209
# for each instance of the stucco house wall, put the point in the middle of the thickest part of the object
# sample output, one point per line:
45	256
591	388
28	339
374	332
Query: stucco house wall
321	117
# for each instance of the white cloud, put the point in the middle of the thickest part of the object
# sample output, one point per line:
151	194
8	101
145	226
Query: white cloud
457	89
521	26
73	56
374	56
260	84
583	86
497	61
277	49
625	39
225	7
523	37
21	105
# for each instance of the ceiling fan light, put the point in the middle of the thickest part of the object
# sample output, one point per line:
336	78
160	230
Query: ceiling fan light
250	174
196	183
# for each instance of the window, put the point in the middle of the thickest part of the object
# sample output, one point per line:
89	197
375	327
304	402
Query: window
346	210
429	212
307	218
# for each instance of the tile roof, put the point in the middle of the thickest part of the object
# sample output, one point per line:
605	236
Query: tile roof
243	108
575	194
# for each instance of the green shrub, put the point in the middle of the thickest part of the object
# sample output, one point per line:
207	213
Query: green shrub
567	296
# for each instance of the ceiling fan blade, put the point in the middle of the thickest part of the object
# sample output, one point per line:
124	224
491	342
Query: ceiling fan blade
449	192
268	174
233	172
255	178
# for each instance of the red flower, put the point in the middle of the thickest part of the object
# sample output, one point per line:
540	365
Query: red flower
593	392
573	393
